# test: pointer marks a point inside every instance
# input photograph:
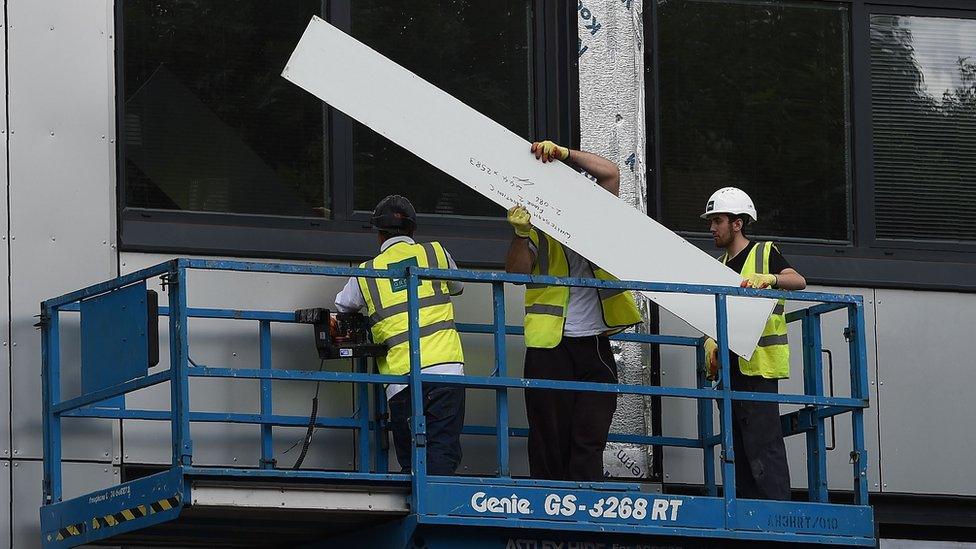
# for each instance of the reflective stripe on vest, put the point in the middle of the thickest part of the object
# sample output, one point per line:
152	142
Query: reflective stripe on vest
546	306
387	308
771	358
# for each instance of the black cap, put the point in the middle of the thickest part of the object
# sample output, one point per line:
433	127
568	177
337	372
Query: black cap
395	214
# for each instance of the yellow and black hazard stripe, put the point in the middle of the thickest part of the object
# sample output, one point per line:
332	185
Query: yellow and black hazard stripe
133	513
73	530
114	519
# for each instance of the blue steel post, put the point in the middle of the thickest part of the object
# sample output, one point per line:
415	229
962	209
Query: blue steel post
705	427
381	439
859	390
813	385
728	455
362	414
267	439
179	357
501	370
51	388
418	422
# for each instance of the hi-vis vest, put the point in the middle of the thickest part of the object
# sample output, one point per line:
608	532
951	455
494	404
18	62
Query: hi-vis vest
771	359
546	306
386	303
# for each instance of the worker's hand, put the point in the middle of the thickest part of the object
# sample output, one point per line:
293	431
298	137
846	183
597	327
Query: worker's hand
520	219
759	281
547	151
711	359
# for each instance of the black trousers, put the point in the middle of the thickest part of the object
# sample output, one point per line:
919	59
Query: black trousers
761	469
567	429
444	413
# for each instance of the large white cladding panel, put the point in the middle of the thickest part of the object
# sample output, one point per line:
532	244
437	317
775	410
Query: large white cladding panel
394	102
679	416
925	374
62	193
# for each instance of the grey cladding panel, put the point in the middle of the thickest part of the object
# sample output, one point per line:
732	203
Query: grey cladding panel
234	344
925	364
62	191
839	469
5	507
79	479
4	273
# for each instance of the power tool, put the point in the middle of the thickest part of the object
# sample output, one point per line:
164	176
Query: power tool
340	335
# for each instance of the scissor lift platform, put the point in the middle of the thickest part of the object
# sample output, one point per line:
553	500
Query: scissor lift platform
188	505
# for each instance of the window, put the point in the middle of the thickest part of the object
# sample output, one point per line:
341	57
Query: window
851	123
209	125
484	65
923	75
219	154
755	95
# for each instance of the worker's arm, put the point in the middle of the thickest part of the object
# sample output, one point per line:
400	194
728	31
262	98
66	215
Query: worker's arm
350	299
607	173
520	255
789	279
454	287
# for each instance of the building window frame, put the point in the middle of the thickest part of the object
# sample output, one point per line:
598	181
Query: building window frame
347	236
865	260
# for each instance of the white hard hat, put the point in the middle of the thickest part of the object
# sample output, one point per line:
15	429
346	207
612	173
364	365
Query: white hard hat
730	200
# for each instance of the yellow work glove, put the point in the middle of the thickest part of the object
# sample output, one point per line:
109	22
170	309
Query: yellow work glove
759	281
711	359
547	151
519	217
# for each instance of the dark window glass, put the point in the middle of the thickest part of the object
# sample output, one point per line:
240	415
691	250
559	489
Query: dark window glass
923	91
209	124
479	55
755	95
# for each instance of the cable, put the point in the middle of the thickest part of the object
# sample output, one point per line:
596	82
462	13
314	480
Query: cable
306	441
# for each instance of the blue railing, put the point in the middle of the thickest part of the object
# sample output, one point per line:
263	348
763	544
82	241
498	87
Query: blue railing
428	491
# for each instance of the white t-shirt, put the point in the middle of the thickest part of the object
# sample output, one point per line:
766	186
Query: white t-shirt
584	315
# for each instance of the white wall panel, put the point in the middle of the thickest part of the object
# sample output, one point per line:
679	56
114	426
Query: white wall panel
62	192
79	479
4	269
839	469
234	344
5	508
926	374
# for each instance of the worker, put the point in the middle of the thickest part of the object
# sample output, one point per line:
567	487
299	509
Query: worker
761	470
385	301
566	335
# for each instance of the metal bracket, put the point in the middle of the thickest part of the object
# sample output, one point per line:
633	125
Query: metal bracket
421	439
855	456
848	334
166	279
43	320
272	463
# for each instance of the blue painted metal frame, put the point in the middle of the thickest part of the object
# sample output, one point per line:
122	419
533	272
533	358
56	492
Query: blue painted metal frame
518	502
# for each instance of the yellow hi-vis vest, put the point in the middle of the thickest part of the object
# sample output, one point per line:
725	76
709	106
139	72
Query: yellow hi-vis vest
386	304
546	306
771	359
